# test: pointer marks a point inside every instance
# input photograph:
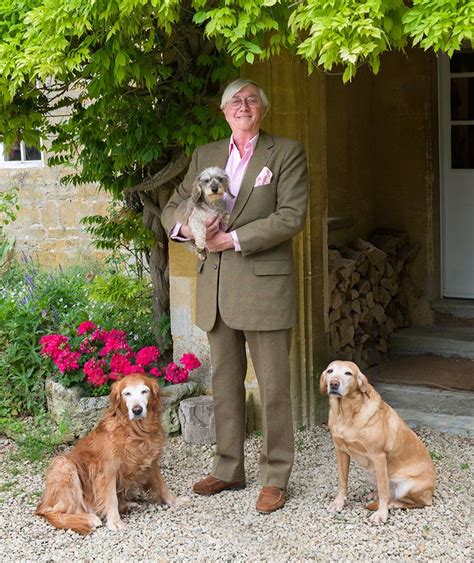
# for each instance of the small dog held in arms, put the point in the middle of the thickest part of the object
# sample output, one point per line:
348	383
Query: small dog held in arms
206	201
99	477
365	428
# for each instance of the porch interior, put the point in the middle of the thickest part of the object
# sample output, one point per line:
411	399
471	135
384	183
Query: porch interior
383	172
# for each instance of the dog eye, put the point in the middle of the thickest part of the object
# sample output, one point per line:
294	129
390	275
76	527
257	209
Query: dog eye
329	370
126	393
145	392
348	373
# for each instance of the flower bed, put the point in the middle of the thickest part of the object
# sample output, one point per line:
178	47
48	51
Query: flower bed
88	362
94	358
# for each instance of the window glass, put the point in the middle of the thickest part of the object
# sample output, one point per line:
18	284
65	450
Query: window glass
31	153
14	154
462	62
462	98
462	146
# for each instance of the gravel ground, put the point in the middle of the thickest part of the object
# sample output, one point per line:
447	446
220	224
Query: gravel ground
227	527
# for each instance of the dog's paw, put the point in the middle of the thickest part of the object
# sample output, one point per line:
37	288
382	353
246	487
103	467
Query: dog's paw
179	501
96	522
379	517
115	525
336	505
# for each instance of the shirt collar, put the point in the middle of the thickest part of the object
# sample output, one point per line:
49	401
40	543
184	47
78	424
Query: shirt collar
249	145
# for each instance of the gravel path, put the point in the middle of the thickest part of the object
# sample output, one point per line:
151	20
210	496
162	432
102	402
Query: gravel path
227	527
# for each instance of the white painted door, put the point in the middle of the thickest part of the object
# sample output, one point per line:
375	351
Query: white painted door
456	88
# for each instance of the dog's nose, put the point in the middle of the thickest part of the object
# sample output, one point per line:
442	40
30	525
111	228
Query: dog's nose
214	189
334	384
137	410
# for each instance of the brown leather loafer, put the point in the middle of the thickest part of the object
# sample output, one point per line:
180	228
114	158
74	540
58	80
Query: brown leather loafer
270	499
212	486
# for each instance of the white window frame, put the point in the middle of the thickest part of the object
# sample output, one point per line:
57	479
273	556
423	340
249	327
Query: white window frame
23	163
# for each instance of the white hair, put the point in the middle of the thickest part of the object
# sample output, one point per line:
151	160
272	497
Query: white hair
237	85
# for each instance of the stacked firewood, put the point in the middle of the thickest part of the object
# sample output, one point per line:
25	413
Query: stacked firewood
367	295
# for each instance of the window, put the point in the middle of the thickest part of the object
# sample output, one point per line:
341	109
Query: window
462	110
20	156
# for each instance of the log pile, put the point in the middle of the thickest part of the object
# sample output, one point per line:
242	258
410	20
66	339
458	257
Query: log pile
367	296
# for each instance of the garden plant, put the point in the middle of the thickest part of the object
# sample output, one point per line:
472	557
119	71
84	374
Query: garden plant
94	358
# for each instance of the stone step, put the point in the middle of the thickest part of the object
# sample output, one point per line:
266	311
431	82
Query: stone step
446	411
454	312
438	339
459	308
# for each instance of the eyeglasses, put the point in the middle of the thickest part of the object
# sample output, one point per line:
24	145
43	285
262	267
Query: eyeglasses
250	101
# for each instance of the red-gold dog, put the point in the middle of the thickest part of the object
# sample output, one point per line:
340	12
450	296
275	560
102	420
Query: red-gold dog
98	477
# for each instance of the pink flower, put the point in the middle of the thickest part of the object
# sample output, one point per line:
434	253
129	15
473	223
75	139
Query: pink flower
113	340
134	369
115	376
190	361
119	335
98	357
112	345
99	335
147	356
175	374
94	372
86	347
86	326
51	344
67	360
156	372
119	363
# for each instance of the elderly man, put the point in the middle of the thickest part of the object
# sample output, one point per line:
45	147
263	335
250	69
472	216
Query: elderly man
246	290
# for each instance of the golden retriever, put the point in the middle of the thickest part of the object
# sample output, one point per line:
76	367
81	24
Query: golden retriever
100	475
365	428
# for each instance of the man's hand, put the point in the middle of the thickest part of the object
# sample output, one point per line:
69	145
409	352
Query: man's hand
212	226
185	232
219	242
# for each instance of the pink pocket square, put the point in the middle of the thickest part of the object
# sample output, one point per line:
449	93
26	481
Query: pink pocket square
265	177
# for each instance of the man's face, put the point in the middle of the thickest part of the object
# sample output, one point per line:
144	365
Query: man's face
248	117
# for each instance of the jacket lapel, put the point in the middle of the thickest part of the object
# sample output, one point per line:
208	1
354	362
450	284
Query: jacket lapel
259	159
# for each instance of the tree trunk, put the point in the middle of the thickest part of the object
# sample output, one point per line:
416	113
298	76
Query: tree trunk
158	258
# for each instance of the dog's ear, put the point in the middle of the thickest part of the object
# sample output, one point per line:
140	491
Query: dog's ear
115	396
323	383
196	192
362	381
155	395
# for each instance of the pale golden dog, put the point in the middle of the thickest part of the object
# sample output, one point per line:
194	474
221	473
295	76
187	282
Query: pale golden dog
99	476
365	428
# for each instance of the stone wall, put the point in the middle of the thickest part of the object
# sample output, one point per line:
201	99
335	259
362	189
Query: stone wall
47	227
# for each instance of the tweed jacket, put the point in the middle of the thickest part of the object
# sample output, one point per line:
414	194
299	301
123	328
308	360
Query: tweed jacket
255	288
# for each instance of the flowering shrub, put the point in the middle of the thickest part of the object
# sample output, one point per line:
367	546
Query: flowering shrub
95	358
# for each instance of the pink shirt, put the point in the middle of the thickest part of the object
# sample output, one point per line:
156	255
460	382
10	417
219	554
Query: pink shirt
236	167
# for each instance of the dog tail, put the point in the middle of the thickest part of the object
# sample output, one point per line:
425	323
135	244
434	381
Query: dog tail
80	523
63	503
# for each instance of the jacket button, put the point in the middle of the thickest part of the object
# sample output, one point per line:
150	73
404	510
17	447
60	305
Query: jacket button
215	266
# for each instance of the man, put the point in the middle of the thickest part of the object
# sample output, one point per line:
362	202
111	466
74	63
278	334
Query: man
246	288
